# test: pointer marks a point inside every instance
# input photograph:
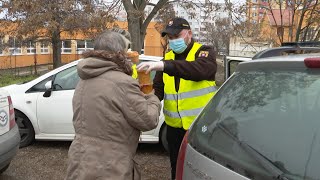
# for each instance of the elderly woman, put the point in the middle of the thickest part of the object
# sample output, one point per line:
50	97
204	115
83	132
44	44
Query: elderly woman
109	113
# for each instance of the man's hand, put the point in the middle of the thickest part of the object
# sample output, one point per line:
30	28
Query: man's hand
151	66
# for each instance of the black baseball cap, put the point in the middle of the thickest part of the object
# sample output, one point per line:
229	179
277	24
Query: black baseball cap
175	26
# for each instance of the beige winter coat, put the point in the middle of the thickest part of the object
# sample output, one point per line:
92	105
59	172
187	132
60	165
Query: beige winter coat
109	113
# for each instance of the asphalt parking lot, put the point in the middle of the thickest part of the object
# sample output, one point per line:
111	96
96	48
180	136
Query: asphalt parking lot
48	161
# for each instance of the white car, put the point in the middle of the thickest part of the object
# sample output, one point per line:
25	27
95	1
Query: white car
43	109
9	133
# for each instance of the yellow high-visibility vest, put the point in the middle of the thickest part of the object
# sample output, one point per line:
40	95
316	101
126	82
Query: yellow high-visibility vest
182	107
134	71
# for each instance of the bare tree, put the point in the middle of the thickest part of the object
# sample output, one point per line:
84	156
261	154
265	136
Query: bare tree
137	21
299	18
48	19
239	23
219	34
162	20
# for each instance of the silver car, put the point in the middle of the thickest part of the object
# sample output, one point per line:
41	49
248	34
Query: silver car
263	123
9	132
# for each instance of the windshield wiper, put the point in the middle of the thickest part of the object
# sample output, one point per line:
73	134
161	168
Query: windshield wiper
261	159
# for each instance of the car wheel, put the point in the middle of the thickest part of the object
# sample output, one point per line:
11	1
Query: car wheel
25	129
163	137
4	168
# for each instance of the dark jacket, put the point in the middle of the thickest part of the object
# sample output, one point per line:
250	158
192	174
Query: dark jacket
203	68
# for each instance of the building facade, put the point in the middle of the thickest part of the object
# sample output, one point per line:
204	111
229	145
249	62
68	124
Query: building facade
14	54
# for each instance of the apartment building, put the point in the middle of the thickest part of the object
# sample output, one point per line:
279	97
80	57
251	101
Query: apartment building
202	16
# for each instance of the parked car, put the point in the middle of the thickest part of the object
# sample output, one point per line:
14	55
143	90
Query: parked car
286	50
9	132
263	123
43	106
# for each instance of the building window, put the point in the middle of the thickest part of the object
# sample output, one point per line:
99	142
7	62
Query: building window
66	46
14	46
44	48
31	47
84	45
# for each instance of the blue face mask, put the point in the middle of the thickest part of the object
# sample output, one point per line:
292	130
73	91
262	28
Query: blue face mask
178	45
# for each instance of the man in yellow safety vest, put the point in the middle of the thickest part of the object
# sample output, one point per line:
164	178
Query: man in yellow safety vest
185	80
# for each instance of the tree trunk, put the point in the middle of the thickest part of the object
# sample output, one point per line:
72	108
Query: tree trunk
35	62
228	46
317	34
56	49
137	23
134	27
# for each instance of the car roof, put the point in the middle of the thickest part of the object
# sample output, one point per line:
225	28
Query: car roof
150	58
285	50
277	62
73	63
141	57
238	58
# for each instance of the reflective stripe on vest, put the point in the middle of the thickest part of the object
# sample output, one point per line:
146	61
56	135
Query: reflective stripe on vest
190	94
182	107
185	113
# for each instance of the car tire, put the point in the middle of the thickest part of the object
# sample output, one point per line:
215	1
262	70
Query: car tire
25	129
4	168
163	137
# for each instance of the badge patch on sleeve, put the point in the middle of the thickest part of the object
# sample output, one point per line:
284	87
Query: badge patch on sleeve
203	53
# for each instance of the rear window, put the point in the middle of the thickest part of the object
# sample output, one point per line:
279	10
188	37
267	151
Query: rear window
275	112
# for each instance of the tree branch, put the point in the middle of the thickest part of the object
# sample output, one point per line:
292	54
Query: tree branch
154	11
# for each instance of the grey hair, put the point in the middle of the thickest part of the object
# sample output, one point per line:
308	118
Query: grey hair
125	33
111	41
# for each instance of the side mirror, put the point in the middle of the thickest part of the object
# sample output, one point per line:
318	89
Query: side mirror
48	87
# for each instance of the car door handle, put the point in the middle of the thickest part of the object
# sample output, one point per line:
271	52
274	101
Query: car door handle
28	102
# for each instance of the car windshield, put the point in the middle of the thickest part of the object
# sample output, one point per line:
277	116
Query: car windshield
275	112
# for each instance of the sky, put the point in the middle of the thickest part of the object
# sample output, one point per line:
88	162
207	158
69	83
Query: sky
237	2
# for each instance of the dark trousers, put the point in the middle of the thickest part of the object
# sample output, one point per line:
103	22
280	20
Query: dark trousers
174	138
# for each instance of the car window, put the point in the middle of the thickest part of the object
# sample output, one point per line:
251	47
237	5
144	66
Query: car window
40	87
66	79
232	65
275	112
